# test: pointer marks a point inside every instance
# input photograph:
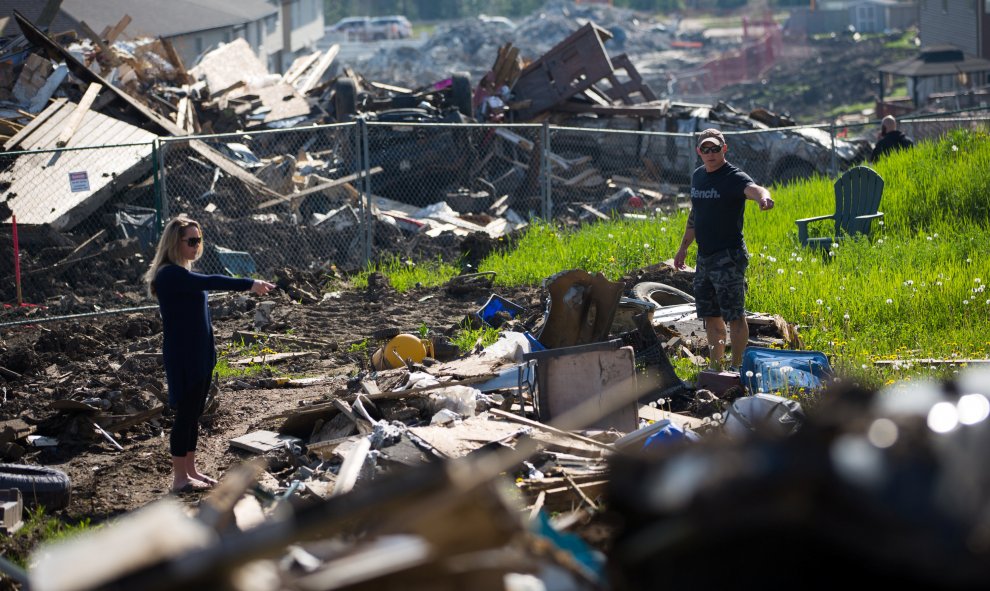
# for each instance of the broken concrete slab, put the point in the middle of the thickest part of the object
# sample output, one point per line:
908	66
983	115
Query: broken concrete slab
262	441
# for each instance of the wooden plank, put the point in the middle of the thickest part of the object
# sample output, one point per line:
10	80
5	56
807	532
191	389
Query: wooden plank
594	212
390	87
262	441
35	124
117	29
299	67
176	61
932	361
95	38
274	357
48	13
181	113
321	67
72	124
536	425
319	188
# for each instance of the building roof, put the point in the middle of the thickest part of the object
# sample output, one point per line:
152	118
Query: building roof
98	173
149	18
939	60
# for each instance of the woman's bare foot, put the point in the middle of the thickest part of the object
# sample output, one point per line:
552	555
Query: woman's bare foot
210	481
188	485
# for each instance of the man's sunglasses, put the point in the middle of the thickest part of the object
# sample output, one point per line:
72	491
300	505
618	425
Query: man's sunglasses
192	241
710	149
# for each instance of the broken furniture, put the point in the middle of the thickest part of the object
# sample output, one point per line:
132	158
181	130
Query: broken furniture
857	204
12	505
568	377
573	66
581	308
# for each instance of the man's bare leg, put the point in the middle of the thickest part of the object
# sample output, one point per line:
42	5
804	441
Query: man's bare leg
181	477
740	338
195	474
715	332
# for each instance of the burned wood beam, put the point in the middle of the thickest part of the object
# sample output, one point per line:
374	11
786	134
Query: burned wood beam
49	12
117	29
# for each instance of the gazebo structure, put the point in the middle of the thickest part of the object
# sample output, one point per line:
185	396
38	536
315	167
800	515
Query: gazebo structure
937	69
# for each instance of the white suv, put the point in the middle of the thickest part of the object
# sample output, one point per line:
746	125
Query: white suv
391	27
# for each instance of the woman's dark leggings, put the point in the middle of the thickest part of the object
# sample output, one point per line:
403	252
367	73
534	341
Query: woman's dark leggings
185	428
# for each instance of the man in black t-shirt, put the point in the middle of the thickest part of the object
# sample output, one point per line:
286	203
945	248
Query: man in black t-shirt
719	192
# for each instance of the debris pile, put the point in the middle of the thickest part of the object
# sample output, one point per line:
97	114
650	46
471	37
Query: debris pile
294	199
549	454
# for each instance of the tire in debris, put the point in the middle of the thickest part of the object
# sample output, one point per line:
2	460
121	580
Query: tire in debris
660	294
39	485
460	93
344	99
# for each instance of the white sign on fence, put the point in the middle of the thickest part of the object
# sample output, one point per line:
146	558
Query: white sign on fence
78	181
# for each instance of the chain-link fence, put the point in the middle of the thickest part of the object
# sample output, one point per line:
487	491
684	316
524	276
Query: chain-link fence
269	200
347	194
82	217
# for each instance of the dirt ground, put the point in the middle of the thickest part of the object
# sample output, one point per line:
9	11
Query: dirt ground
112	361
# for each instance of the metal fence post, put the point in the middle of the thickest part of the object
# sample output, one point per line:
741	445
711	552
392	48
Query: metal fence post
156	179
162	193
545	165
361	143
834	164
692	159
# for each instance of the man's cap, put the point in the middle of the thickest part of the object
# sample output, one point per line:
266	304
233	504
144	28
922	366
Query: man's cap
711	135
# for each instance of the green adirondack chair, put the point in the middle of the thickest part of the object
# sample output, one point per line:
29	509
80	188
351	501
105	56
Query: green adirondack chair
857	201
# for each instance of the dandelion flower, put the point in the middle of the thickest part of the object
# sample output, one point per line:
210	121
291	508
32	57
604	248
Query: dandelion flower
799	259
890	301
819	302
831	253
780	271
846	316
965	302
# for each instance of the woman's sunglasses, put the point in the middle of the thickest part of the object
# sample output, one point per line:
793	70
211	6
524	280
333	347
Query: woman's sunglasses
192	241
710	150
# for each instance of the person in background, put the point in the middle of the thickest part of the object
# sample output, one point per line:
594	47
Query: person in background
890	139
719	192
188	346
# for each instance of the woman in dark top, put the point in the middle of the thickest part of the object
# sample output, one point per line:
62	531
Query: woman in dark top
188	348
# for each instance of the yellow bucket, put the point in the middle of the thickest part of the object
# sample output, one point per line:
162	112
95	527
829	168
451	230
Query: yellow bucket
401	349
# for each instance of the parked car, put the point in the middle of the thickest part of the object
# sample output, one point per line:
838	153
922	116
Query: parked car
391	27
364	28
354	28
